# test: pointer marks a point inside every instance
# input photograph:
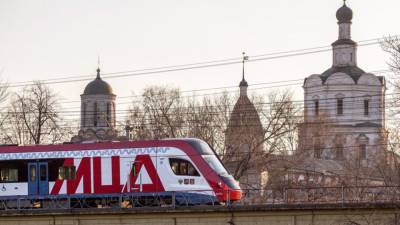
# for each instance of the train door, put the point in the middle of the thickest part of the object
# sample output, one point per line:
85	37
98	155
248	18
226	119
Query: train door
38	178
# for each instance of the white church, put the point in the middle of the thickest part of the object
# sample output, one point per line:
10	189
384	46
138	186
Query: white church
350	101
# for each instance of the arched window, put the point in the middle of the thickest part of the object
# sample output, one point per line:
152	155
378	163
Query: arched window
83	119
316	107
317	150
362	154
95	114
339	104
113	114
315	100
366	107
109	122
362	141
339	151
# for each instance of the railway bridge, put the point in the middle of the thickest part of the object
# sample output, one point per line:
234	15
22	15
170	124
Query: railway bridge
293	214
295	206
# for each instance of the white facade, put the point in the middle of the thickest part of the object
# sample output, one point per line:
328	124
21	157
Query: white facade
344	107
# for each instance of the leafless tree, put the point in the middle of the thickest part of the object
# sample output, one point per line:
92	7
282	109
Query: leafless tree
158	115
33	117
207	119
244	138
391	45
254	145
391	172
3	97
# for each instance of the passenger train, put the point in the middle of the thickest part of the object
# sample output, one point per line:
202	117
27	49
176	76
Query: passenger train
144	168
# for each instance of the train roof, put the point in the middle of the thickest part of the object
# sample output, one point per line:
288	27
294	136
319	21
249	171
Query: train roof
197	144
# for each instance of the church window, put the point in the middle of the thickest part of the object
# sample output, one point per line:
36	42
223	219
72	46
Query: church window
366	107
316	107
317	151
95	114
83	119
339	106
339	151
113	113
363	151
109	114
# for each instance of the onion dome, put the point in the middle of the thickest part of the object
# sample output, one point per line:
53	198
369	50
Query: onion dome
344	14
98	87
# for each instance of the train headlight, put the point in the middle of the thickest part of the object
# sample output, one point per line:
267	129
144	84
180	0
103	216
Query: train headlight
220	184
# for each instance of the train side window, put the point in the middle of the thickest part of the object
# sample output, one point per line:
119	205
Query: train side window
66	172
71	172
174	166
8	174
61	173
182	167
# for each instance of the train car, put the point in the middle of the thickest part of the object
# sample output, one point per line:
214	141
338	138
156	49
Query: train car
180	167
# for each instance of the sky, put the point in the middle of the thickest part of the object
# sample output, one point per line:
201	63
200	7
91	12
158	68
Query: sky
48	39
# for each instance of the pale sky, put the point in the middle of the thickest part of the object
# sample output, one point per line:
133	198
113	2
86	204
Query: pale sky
47	39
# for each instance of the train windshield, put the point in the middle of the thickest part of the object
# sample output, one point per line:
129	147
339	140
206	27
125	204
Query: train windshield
215	164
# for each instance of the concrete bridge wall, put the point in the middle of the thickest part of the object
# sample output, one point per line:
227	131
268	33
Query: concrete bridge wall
255	215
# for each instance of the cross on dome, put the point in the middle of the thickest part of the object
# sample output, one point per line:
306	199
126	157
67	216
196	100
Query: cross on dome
243	83
98	67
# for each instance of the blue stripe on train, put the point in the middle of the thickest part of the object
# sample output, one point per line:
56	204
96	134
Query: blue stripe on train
181	198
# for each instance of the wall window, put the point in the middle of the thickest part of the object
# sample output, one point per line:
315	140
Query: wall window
339	106
113	114
317	151
83	120
339	151
182	167
316	107
109	122
66	172
363	151
366	107
95	114
8	174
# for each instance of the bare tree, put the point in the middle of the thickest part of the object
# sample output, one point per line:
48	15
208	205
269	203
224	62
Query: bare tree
255	136
3	97
159	115
33	117
208	118
391	45
244	138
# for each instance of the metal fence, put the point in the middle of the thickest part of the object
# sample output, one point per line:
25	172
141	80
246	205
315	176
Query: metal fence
283	196
322	195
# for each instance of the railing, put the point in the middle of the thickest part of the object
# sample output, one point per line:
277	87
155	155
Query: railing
322	195
124	200
284	196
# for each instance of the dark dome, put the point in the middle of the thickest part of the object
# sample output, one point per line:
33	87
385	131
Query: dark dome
98	87
344	14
